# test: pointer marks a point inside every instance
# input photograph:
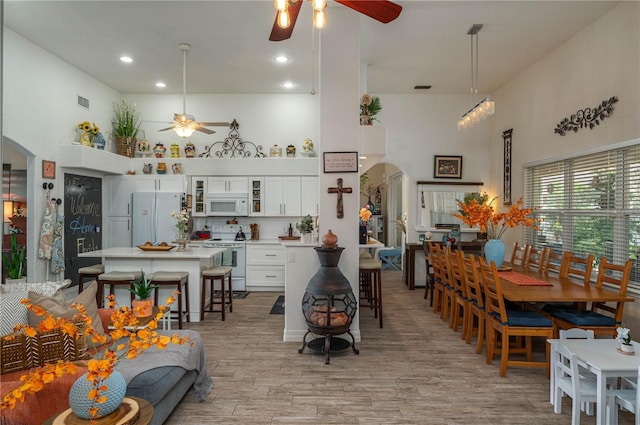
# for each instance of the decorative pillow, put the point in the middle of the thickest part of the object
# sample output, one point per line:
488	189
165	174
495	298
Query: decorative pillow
45	288
20	351
87	298
12	311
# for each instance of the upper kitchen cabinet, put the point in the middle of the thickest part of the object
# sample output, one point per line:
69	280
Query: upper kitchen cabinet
159	183
118	195
223	185
198	191
256	196
282	196
309	194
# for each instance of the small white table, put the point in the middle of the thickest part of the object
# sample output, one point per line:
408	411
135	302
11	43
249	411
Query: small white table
601	357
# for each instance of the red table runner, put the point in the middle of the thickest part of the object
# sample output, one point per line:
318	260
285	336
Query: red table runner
524	280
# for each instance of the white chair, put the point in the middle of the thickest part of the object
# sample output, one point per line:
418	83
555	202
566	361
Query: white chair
627	400
569	381
577	333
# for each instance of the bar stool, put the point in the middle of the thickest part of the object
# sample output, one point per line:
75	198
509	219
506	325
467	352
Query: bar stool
180	280
371	286
226	296
112	279
88	273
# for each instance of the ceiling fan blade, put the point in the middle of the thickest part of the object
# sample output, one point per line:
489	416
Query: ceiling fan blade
204	130
280	34
214	124
168	128
182	118
384	11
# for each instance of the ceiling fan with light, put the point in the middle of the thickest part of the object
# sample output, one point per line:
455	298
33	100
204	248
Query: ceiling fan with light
183	124
383	11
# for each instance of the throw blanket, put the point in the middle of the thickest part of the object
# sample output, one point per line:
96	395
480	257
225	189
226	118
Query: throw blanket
185	356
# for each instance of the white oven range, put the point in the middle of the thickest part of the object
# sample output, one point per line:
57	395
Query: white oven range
226	240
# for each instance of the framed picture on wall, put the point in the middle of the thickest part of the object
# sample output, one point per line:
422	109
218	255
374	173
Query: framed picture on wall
448	167
48	169
340	162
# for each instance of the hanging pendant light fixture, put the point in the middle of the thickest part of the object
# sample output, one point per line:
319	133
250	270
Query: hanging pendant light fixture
485	107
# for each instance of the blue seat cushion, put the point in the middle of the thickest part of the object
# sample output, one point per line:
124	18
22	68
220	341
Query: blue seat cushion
525	318
583	318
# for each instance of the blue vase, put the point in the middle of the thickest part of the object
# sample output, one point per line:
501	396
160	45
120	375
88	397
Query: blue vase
80	403
99	142
494	251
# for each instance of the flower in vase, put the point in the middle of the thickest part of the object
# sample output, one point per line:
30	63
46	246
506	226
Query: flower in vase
365	215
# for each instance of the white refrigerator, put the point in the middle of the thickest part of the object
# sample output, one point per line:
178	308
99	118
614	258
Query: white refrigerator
151	216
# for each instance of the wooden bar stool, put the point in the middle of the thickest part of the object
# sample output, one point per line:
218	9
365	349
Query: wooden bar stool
88	273
226	295
180	280
371	286
112	279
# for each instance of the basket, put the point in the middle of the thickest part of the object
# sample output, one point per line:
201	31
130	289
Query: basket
126	146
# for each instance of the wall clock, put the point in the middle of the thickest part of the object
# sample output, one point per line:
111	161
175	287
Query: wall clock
48	169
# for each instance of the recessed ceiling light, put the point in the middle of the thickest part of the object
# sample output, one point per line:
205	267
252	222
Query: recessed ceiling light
281	59
363	157
288	85
126	59
161	85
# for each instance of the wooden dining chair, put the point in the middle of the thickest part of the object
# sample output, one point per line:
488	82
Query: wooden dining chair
442	292
575	266
602	324
536	258
555	261
476	316
428	284
519	254
511	322
460	299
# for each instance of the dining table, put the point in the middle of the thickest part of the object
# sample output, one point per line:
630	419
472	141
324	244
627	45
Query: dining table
602	358
524	284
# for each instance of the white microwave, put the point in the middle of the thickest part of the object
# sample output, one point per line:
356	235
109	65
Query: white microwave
228	206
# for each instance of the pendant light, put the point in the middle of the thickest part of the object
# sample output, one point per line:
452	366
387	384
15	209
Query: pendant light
484	108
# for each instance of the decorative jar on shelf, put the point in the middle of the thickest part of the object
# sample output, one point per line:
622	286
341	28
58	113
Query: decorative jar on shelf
175	150
189	150
275	151
159	150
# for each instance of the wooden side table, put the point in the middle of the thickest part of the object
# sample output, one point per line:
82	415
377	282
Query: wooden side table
146	414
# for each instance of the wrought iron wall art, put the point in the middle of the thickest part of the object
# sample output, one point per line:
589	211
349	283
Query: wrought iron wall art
586	118
506	136
233	147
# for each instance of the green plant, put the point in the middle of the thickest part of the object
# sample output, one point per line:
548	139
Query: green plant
126	121
370	105
142	288
306	225
15	263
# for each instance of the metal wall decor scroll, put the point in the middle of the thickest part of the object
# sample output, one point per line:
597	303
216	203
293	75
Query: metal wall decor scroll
233	147
586	118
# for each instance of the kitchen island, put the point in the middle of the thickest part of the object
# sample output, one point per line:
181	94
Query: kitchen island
191	260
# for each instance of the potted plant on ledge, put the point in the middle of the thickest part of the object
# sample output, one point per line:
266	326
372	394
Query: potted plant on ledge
305	227
142	306
15	262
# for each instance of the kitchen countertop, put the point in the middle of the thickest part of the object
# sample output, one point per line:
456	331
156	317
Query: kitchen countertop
135	252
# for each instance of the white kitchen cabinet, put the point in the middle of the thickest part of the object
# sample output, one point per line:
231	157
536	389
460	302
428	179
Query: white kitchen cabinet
159	183
118	231
118	197
256	196
265	266
221	185
198	200
282	196
309	195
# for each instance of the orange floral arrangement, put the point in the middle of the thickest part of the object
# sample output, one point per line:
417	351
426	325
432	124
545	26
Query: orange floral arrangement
365	215
125	325
479	211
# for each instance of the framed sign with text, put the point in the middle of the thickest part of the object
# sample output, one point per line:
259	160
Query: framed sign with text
340	162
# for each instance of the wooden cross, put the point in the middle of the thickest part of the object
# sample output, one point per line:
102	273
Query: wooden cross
340	190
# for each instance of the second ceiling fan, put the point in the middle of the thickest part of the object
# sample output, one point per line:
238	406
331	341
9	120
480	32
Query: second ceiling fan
383	11
183	124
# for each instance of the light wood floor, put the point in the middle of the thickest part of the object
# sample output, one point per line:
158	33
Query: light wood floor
415	370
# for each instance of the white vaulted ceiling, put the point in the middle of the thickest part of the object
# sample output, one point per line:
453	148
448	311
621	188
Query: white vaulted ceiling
231	53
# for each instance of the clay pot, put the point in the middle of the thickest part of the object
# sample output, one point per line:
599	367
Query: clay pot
142	308
329	240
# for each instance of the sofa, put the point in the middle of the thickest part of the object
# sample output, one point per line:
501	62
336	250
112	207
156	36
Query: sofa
162	377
